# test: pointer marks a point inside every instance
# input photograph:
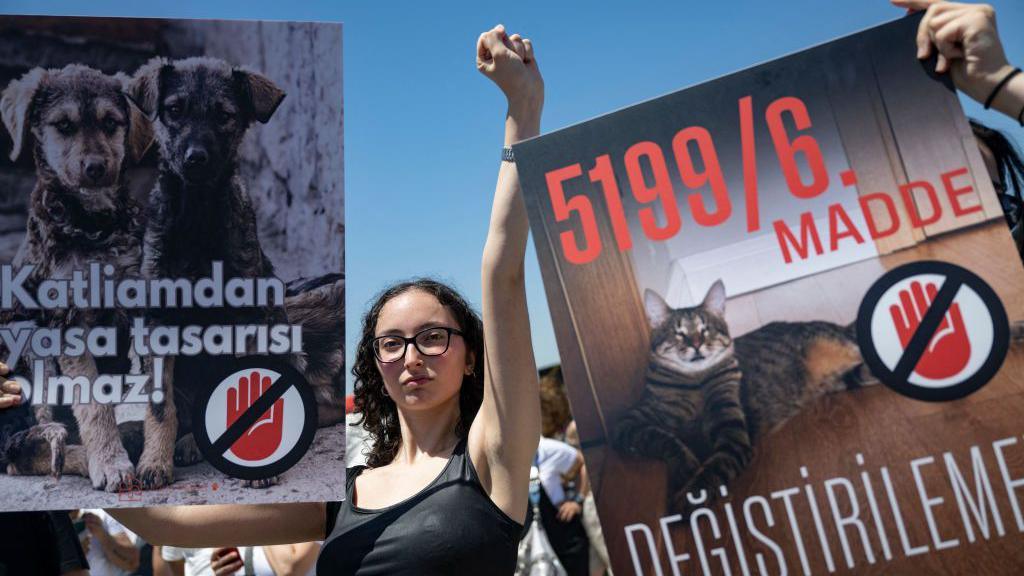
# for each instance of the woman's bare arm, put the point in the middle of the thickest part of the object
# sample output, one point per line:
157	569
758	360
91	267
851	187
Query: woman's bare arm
504	435
225	525
292	559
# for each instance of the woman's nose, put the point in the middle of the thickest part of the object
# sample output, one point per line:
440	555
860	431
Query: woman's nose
413	357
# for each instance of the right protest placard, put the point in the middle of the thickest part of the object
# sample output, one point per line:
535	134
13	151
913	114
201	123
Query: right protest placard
791	320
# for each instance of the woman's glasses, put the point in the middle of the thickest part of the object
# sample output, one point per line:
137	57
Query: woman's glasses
429	342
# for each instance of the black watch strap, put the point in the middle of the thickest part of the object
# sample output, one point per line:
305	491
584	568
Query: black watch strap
506	155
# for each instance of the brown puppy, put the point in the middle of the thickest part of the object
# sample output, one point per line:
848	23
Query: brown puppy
82	131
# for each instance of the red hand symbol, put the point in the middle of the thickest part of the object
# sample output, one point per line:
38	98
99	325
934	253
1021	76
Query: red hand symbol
949	350
264	436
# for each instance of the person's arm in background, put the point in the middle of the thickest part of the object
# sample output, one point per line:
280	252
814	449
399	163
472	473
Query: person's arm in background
966	41
162	567
174	559
584	483
176	567
292	559
557	463
116	547
226	561
572	508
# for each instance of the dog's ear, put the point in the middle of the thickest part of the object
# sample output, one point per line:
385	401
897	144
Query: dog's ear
263	95
140	132
15	105
140	127
144	86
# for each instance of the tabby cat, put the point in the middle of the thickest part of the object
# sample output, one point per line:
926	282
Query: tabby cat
708	396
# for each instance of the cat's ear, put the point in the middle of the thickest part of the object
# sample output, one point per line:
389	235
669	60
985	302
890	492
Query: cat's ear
657	310
715	300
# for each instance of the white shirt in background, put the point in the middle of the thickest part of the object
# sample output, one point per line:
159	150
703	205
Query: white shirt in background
198	560
99	565
554	459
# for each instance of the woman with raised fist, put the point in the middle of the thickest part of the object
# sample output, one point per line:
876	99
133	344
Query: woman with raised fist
450	403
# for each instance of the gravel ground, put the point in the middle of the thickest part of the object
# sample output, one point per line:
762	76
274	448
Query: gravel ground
319	476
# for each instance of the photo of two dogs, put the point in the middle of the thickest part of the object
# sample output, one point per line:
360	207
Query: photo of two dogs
182	123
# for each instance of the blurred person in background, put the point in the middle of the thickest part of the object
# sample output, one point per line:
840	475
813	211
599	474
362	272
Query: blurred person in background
36	543
112	550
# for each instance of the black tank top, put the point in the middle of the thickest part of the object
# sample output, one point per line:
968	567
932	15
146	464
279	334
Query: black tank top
450	527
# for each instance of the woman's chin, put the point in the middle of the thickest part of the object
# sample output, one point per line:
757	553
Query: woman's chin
423	399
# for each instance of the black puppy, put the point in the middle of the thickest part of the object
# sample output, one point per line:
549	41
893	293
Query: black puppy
199	213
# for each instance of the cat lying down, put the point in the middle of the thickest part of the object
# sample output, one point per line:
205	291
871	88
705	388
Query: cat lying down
708	397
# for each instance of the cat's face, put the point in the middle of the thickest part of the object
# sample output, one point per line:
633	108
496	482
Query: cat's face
688	340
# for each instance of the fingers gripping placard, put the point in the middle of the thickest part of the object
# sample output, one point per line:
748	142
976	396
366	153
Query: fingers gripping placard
933	331
258	421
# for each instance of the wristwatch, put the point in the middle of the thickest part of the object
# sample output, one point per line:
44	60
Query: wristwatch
506	155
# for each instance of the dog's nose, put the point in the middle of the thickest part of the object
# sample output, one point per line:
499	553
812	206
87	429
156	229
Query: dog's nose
196	157
95	170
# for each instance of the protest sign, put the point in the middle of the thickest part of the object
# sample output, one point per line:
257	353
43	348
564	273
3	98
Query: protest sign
789	315
171	262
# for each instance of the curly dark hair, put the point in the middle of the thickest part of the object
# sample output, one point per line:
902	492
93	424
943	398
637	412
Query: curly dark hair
379	413
555	414
1010	168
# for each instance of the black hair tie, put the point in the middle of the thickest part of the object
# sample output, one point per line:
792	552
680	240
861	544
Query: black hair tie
1006	79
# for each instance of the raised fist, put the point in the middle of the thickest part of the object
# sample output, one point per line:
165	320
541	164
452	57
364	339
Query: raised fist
510	63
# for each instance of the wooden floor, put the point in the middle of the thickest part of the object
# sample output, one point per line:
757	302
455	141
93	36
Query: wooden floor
886	428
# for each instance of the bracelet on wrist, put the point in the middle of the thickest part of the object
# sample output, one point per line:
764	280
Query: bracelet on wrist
995	91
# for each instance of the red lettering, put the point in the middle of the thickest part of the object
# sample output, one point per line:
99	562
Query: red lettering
807	232
869	217
712	174
837	213
661	190
910	201
564	208
955	193
602	174
805	144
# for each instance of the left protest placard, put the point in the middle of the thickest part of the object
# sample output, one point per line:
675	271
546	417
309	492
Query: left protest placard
171	261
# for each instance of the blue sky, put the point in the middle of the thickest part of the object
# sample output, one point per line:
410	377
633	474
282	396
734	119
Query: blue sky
423	130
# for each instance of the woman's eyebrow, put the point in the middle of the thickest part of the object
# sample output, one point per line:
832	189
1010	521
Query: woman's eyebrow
416	330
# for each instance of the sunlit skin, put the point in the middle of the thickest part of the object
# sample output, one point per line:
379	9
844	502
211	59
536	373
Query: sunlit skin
417	382
503	437
426	391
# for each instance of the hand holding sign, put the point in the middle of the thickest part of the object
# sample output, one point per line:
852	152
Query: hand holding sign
949	349
264	436
966	43
10	391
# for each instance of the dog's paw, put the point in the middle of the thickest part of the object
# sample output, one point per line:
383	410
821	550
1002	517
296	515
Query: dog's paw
112	474
37	451
263	483
56	436
186	451
155	475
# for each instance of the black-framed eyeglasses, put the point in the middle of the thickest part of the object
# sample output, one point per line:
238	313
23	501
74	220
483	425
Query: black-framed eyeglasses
430	342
